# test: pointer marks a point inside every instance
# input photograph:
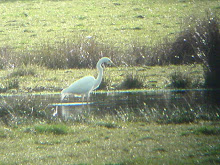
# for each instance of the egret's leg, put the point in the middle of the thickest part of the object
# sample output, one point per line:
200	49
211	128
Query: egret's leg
63	96
83	98
55	111
87	98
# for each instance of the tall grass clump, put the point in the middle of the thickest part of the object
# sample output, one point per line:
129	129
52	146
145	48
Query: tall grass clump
204	39
80	52
12	83
167	51
180	80
57	129
3	88
7	57
198	42
132	81
77	51
105	84
107	124
22	109
23	71
208	130
168	115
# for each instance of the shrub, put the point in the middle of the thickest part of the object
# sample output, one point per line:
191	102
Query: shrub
132	81
201	41
107	124
12	84
80	52
184	117
198	42
208	130
205	39
105	84
23	71
4	111
3	88
176	117
180	80
9	84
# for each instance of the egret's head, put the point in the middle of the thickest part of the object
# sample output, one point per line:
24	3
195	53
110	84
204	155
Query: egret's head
106	60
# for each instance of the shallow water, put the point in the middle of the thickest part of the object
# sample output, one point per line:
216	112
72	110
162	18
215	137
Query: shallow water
159	103
164	102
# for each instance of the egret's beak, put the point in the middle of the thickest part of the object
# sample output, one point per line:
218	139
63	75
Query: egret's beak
111	63
108	63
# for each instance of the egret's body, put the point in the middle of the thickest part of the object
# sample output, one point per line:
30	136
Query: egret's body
86	84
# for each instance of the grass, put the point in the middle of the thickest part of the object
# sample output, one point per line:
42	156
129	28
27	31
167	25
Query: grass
152	77
41	40
91	30
55	129
107	124
130	31
112	22
9	84
211	152
208	130
88	143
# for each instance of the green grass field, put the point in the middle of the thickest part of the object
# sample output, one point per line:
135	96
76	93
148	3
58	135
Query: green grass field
28	24
126	144
30	30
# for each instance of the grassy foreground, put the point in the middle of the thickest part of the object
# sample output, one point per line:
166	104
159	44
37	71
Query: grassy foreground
123	143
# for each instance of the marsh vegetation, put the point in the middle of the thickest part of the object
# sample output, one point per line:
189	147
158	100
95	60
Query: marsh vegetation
148	128
46	45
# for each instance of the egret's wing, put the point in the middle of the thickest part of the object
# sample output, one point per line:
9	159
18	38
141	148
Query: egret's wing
81	86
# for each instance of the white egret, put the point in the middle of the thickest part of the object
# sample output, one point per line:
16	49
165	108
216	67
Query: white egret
86	84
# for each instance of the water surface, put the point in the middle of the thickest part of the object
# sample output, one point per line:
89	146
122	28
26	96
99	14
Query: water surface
148	103
160	104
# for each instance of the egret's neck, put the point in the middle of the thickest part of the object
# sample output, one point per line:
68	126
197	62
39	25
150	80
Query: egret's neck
100	74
